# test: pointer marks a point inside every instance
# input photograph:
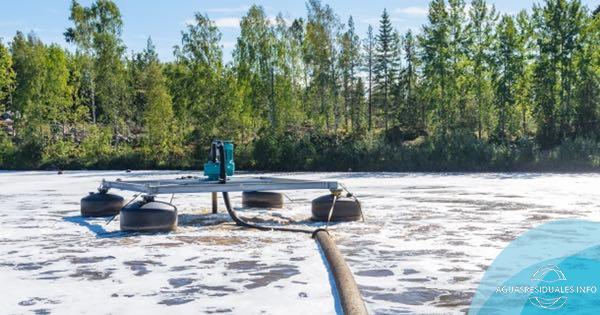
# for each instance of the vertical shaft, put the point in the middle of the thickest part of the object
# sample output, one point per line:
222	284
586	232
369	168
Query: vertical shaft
214	202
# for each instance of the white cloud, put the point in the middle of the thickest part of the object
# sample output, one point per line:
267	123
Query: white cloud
11	23
242	8
414	11
220	22
227	22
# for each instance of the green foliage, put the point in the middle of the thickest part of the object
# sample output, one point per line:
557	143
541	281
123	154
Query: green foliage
197	78
480	38
369	64
558	28
30	148
319	57
96	147
61	153
435	42
348	64
470	92
386	64
7	76
412	111
505	78
7	151
96	33
29	59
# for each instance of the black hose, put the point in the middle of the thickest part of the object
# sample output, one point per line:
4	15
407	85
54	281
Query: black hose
213	152
222	170
243	223
350	298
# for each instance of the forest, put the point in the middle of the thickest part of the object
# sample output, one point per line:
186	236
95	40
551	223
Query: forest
471	90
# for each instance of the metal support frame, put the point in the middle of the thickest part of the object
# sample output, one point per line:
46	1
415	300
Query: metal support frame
202	185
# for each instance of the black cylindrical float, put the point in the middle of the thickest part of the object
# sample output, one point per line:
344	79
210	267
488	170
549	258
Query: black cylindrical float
148	215
262	199
345	209
101	204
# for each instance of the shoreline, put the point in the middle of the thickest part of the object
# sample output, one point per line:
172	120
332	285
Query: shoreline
591	170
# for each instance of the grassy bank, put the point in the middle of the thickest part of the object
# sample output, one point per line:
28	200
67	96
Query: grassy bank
432	154
290	152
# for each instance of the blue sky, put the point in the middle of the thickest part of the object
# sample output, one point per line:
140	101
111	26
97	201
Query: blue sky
164	20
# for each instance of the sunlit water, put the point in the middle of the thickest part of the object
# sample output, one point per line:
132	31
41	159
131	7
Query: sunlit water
426	242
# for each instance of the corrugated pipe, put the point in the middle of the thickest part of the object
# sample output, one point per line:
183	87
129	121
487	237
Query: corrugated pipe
350	298
349	295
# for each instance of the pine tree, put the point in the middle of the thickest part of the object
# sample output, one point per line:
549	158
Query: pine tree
508	69
524	90
458	84
359	103
297	38
157	110
349	55
412	116
397	90
384	64
558	26
587	63
480	31
435	42
369	65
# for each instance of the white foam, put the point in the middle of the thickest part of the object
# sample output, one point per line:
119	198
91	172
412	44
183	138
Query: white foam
426	243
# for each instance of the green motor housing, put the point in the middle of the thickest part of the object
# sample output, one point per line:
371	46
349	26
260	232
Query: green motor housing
213	166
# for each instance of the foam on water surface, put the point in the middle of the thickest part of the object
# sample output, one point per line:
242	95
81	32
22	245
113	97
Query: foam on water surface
425	245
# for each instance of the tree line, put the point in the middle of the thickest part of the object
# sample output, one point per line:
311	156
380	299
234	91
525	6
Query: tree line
472	89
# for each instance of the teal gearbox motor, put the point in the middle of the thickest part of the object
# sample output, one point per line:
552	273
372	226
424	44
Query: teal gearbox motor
212	168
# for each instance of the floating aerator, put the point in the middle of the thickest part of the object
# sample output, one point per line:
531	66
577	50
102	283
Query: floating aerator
149	215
